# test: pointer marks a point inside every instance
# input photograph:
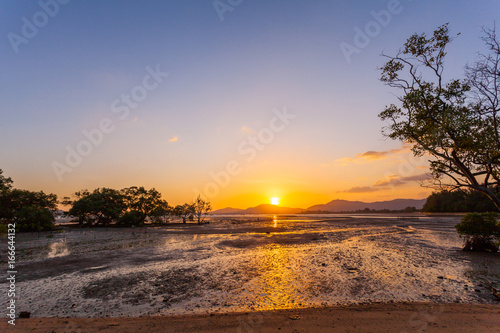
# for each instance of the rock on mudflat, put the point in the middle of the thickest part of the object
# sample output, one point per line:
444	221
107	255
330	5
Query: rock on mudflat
24	314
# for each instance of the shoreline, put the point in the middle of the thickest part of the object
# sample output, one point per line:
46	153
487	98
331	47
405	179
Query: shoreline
376	317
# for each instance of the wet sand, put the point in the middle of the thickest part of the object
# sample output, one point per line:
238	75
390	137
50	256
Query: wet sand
407	317
240	265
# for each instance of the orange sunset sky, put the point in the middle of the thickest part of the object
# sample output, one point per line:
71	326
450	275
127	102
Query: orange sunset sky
240	105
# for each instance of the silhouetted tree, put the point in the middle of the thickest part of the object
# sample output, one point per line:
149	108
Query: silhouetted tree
480	231
5	182
103	206
410	210
142	200
455	122
131	218
161	213
29	210
184	211
201	209
459	201
32	218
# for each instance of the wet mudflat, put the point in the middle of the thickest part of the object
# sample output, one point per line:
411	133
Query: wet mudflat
249	263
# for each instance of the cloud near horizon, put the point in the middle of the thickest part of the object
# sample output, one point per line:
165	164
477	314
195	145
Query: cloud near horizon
395	180
361	189
174	139
372	155
388	182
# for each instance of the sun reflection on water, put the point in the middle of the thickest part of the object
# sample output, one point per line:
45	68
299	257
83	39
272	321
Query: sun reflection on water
276	286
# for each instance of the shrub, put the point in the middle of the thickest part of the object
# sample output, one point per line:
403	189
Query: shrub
480	231
160	215
131	218
31	218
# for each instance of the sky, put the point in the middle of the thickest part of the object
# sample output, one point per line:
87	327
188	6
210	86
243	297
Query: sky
237	100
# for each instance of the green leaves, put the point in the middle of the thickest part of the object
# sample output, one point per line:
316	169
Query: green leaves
102	206
5	183
481	231
443	119
479	224
28	209
429	50
390	70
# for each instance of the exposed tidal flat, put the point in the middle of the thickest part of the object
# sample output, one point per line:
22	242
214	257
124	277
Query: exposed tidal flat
249	263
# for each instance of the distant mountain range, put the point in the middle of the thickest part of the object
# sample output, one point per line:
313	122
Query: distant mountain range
332	206
261	209
345	205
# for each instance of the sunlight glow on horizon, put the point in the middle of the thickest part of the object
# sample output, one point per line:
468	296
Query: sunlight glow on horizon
275	201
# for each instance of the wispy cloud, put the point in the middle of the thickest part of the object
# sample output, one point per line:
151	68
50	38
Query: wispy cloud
174	139
388	182
362	189
372	155
398	180
247	130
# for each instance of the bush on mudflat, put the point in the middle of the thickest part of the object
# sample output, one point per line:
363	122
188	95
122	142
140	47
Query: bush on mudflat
32	218
480	231
131	218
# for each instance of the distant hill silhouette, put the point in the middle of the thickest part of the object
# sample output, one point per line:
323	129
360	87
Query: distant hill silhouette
350	206
332	206
261	209
227	210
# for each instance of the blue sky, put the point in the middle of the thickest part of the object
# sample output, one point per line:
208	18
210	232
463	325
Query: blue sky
225	79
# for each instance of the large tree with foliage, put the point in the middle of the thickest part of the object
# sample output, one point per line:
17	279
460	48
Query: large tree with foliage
141	200
129	206
103	206
161	213
29	210
459	201
5	182
454	121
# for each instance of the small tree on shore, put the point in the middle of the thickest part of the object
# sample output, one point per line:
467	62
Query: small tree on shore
185	211
161	213
201	209
481	232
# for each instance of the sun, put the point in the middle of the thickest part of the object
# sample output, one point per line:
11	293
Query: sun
275	201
